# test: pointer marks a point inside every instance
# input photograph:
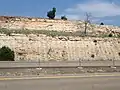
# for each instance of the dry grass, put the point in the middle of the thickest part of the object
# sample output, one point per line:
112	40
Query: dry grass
52	33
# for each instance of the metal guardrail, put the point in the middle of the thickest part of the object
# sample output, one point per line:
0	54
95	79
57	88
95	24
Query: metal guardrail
24	64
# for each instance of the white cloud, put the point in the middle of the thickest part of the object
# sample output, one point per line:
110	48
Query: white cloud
98	9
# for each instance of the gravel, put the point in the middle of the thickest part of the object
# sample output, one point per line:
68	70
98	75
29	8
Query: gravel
56	71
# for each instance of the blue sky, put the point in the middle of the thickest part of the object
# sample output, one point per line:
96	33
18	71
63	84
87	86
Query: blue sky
107	11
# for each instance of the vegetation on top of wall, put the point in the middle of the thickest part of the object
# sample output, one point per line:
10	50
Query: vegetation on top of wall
45	32
54	33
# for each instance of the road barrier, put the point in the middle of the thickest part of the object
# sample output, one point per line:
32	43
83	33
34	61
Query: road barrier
24	64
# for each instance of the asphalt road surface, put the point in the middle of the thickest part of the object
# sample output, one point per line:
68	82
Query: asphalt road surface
79	83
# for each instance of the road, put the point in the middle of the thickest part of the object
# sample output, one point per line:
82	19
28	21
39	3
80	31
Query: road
57	64
74	83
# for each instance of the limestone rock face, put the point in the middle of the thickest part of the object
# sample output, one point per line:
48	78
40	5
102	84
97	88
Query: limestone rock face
42	47
46	48
53	25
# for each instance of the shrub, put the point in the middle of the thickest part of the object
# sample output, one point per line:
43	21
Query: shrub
92	55
51	14
6	54
95	41
63	17
119	53
101	23
118	35
110	35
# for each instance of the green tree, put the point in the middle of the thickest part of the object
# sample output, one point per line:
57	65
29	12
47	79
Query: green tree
51	14
6	54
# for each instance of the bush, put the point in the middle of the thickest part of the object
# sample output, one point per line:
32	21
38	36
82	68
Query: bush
118	35
6	54
92	55
119	53
110	35
63	18
95	41
101	23
51	14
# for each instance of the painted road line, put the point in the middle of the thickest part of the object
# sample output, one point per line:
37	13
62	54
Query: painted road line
59	77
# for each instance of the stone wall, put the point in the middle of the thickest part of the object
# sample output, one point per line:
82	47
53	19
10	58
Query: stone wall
33	47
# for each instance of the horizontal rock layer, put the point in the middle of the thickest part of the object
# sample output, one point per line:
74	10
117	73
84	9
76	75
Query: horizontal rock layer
33	47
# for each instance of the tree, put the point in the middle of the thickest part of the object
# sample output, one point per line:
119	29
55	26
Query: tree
6	54
87	21
54	9
51	14
63	17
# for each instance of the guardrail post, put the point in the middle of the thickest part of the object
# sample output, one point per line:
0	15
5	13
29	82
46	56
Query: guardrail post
79	62
39	63
113	64
113	61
